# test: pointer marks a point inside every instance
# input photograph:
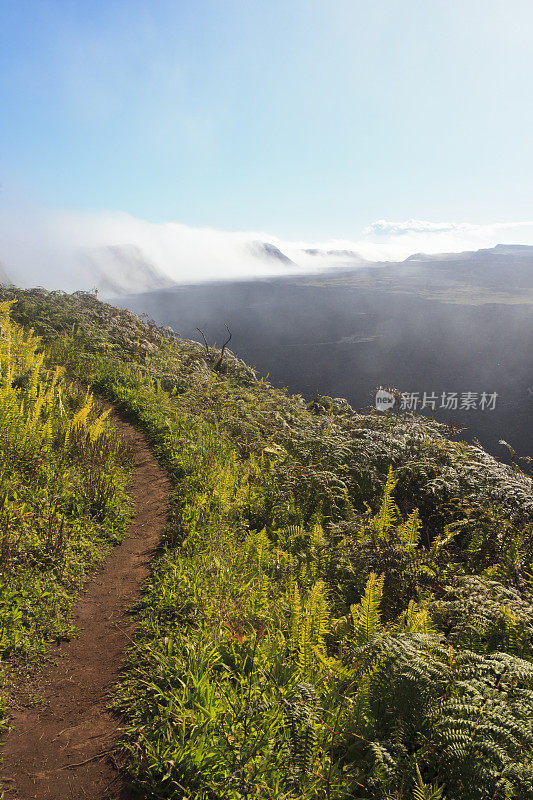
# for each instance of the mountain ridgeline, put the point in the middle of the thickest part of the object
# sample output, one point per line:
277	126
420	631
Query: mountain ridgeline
436	326
342	603
502	274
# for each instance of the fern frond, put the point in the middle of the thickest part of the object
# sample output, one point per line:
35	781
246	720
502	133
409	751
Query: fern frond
425	791
365	614
409	531
388	513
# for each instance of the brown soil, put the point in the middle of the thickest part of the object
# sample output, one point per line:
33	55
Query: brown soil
64	749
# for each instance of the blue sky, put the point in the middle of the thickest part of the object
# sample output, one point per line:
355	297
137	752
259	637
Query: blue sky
306	118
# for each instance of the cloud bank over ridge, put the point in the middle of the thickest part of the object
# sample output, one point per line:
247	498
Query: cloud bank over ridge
77	250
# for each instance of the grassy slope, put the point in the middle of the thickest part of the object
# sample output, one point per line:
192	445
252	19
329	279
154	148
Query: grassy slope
316	626
63	496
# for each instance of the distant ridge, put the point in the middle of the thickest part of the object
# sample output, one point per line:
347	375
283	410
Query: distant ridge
497	250
514	249
354	257
268	251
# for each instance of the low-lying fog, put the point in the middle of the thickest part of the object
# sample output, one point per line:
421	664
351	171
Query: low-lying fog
117	252
344	342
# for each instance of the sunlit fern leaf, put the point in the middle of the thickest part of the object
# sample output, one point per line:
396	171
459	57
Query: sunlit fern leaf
409	531
366	614
387	515
425	791
415	620
314	626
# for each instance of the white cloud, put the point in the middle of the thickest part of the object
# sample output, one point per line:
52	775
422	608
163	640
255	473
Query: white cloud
50	248
404	238
385	227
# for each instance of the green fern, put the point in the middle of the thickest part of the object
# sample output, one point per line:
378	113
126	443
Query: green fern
425	791
387	515
366	615
314	626
409	531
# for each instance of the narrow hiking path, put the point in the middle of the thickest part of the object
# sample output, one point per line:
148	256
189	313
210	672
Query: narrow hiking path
63	749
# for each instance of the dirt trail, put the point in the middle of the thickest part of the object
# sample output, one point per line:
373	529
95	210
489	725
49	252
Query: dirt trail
44	753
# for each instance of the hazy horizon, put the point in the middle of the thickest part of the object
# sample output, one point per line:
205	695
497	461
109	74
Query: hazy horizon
54	248
187	130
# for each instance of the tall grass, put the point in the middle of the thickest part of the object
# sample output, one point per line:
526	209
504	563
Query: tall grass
317	625
280	657
63	494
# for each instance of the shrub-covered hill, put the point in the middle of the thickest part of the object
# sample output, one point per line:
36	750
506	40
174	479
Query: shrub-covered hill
63	495
342	607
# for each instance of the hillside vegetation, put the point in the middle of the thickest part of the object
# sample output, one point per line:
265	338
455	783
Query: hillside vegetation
63	494
342	606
